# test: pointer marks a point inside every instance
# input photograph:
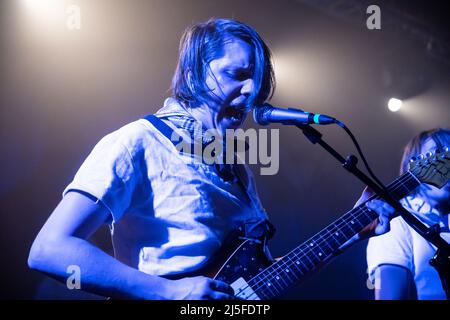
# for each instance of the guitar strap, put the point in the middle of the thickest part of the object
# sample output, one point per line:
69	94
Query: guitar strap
223	170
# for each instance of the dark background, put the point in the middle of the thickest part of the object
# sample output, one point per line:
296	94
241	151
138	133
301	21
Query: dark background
62	90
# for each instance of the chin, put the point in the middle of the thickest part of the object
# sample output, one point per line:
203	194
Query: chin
234	126
228	124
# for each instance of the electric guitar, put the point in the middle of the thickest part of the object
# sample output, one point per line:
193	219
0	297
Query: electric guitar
254	276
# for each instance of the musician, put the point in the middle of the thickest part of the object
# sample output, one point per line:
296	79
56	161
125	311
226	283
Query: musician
169	212
398	261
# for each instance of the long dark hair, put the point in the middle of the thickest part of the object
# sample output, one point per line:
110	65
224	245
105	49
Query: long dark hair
202	43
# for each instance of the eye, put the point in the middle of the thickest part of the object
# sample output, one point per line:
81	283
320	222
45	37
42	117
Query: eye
238	75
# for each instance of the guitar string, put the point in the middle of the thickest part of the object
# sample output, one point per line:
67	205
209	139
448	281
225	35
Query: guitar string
306	251
293	259
408	178
322	238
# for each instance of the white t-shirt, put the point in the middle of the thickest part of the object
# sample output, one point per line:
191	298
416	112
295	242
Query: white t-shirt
403	246
169	211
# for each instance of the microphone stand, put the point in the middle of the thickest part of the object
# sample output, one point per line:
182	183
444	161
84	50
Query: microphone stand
441	260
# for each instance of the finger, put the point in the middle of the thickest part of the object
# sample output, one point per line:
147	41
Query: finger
383	225
382	208
222	286
374	205
383	220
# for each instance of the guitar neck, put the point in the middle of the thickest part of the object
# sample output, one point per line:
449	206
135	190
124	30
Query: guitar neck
305	258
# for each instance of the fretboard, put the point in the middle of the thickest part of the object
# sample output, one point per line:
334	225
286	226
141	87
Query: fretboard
305	258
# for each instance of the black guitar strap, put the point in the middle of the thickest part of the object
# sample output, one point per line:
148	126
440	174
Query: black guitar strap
223	170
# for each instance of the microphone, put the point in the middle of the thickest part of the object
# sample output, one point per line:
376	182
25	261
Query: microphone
267	113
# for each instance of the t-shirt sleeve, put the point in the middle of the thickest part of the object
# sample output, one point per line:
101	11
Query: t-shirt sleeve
394	247
108	174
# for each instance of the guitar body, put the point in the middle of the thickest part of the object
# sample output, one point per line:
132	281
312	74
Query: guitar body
237	263
245	263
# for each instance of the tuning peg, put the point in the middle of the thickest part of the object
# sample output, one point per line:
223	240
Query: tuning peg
443	153
429	154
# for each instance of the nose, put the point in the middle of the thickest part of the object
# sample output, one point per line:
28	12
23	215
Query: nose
248	87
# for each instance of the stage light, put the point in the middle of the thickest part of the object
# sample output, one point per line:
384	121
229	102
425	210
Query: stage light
41	5
46	9
395	104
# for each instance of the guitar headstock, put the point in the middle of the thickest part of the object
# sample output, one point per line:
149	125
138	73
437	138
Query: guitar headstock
432	168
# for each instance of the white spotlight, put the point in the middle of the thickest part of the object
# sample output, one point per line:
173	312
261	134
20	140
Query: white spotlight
41	5
395	104
45	9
